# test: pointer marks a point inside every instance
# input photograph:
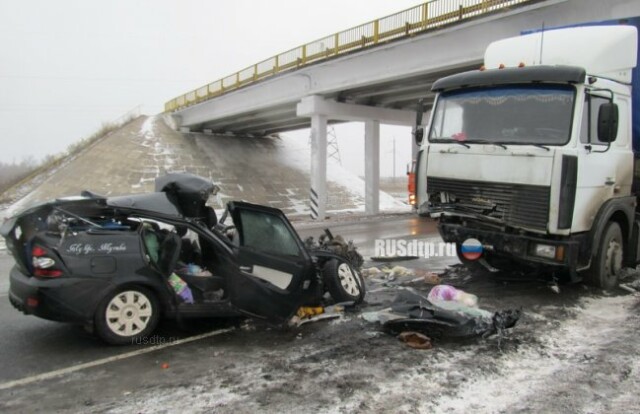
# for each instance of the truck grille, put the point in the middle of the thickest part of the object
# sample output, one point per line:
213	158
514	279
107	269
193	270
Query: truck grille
516	204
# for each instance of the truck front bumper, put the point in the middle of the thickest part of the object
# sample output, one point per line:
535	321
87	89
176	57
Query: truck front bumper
516	246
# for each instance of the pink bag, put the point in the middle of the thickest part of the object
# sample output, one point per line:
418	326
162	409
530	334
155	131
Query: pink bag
450	294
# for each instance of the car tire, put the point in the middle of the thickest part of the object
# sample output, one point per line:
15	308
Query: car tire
607	262
343	281
127	315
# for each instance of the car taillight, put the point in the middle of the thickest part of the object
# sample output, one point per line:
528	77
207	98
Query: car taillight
43	264
38	251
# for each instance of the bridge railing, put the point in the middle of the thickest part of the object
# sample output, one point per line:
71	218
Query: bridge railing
427	16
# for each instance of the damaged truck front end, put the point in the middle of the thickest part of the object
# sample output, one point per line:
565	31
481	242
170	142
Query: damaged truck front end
506	248
506	133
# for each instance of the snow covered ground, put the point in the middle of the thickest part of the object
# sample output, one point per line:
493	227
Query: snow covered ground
572	352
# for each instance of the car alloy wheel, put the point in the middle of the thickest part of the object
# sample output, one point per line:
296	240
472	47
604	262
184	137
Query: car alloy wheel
343	281
348	279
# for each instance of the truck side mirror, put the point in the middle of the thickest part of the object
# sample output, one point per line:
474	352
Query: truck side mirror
418	135
418	132
607	122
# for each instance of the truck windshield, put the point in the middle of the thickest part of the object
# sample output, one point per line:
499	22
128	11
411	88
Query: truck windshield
521	114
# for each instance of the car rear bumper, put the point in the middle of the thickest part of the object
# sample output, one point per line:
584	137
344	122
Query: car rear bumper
47	299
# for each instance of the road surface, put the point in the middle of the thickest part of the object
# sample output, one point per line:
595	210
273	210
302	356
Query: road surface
571	352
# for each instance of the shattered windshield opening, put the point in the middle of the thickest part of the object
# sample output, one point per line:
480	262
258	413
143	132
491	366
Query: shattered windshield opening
521	114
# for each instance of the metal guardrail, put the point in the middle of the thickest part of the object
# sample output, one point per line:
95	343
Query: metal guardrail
407	23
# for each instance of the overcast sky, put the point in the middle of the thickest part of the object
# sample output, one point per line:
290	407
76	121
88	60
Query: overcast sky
67	66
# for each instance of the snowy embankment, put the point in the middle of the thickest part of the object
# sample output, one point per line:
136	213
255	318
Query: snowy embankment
161	158
295	153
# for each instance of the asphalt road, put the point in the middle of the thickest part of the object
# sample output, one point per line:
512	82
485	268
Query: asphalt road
366	232
573	351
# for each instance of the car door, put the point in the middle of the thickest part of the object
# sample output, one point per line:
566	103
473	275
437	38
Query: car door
276	273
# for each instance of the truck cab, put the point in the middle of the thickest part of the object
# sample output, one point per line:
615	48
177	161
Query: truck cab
532	156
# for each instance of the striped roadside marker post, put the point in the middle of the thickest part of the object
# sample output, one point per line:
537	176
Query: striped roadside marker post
313	196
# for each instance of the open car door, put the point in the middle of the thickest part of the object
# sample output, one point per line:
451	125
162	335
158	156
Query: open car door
276	272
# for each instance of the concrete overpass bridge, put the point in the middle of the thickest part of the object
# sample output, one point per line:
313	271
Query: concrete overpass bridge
373	73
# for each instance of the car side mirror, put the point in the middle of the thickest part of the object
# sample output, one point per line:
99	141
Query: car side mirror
608	122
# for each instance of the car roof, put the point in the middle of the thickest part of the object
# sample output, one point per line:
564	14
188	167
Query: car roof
160	203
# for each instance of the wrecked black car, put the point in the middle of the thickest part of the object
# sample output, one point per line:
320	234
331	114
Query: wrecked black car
117	264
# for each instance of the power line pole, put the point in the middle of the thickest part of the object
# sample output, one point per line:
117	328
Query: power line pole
332	145
394	159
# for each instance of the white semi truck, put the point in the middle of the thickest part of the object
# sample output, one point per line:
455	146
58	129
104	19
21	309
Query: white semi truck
534	157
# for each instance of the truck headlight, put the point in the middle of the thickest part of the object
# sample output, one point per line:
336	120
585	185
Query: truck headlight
548	251
544	250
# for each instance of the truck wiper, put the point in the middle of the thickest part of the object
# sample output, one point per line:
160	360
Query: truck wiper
449	141
541	146
460	143
486	141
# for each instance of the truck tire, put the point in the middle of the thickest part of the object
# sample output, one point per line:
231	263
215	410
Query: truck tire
127	315
607	262
343	281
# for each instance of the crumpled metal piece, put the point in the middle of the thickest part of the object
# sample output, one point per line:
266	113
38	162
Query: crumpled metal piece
411	311
336	245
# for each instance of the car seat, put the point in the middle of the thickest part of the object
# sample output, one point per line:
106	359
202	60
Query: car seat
210	218
169	253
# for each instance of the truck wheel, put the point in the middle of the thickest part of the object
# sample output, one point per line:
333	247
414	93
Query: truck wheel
126	315
343	281
607	263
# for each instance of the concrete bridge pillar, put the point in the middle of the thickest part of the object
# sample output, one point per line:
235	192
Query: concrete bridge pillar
318	191
320	110
372	166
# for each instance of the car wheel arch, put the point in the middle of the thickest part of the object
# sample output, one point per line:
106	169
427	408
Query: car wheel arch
162	297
